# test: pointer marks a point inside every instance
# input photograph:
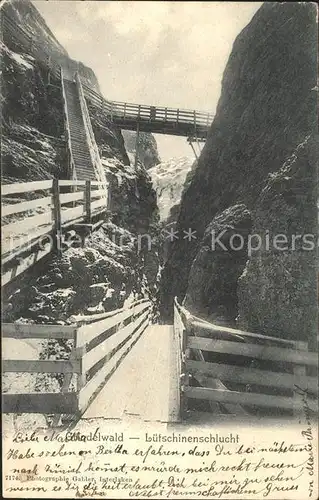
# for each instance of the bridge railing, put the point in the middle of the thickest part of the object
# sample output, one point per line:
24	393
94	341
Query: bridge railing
98	349
127	111
259	371
34	214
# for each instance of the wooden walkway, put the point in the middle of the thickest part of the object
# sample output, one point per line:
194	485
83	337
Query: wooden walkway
144	387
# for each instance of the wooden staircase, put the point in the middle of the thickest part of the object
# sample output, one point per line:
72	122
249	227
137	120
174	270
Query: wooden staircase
78	143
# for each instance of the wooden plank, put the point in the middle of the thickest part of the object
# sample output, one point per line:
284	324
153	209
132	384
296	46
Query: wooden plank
87	333
119	341
211	332
71	183
93	387
40	366
72	213
243	375
103	349
88	196
70	159
29	331
69	197
25	187
57	217
22	226
98	193
21	244
101	202
96	184
244	398
299	372
253	351
204	326
213	383
40	403
98	317
23	265
26	205
180	338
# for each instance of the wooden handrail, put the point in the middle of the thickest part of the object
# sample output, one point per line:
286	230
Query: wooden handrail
25	187
24	238
233	349
67	130
93	149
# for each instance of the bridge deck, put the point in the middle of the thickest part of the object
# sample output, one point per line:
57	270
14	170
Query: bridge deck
144	385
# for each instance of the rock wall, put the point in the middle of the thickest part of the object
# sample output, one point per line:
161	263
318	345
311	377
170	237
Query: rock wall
266	110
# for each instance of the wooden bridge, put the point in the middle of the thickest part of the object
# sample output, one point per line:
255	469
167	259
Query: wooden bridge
156	119
129	116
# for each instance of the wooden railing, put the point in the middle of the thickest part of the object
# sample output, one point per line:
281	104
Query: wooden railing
173	121
185	121
98	349
93	149
281	367
38	223
67	133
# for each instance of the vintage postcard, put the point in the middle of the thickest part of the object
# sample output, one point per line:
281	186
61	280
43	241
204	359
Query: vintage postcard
159	249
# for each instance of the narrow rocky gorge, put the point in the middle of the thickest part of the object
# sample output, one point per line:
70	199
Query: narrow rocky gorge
252	177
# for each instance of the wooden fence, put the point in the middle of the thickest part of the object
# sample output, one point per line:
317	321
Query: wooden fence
174	121
38	223
98	349
245	371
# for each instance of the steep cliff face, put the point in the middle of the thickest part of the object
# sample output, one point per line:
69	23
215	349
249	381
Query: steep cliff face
277	291
33	145
266	109
111	265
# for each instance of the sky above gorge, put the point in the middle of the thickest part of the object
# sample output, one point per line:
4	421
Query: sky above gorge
164	53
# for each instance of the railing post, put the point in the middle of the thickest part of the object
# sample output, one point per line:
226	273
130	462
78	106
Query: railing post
185	376
87	201
57	217
136	144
